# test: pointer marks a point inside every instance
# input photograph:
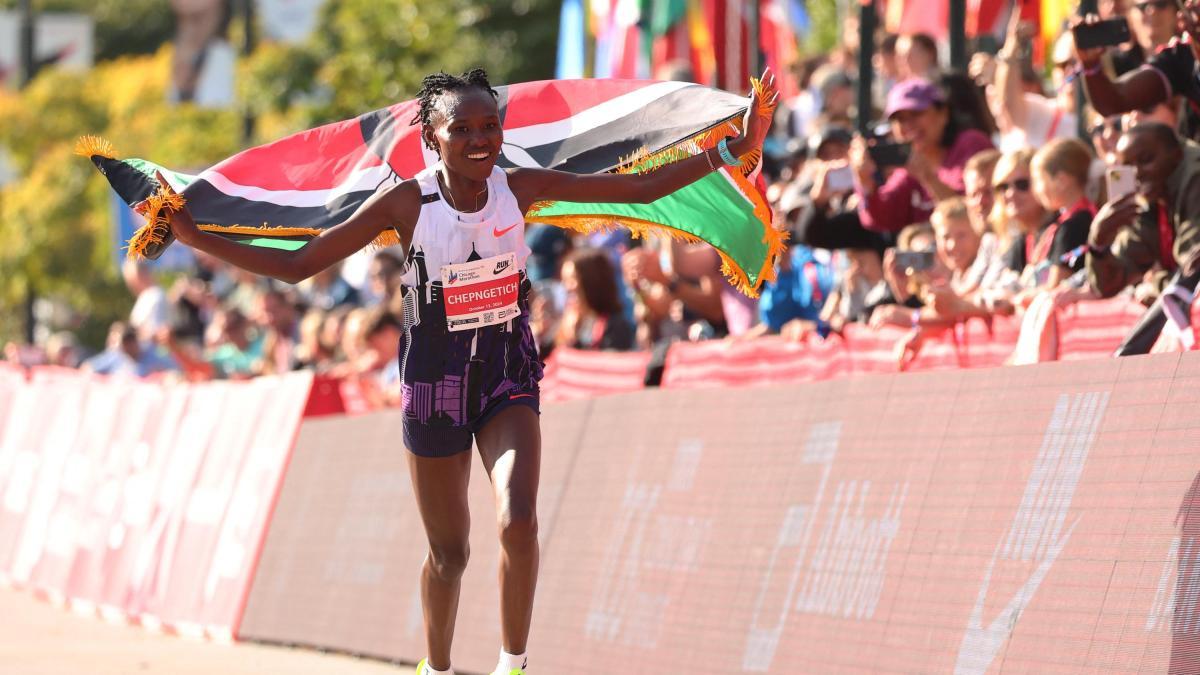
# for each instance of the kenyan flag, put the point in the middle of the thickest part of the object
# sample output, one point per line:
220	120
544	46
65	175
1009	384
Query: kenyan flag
284	193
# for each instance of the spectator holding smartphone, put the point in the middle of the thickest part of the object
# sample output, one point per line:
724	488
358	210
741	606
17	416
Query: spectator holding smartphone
940	149
1160	224
1169	72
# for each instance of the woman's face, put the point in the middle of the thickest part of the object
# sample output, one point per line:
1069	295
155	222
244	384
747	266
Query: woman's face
1014	193
922	128
1105	132
466	132
912	59
570	280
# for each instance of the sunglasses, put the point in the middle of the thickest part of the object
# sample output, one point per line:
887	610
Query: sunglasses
1115	124
1158	5
1020	185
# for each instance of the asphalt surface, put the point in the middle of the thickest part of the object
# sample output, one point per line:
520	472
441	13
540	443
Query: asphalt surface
38	638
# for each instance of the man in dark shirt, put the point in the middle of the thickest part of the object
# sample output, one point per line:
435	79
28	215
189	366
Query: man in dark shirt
1128	238
1169	72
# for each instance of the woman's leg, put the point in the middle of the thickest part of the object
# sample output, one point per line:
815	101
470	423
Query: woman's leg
440	484
511	445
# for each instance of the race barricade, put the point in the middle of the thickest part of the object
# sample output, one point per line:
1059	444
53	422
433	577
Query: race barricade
143	501
1020	519
572	374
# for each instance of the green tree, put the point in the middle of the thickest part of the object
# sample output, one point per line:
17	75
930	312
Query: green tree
55	223
368	54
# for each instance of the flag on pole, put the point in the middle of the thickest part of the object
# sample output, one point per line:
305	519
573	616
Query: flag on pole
285	193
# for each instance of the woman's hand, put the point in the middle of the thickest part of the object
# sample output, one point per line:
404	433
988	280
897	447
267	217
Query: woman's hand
921	168
755	125
181	223
864	167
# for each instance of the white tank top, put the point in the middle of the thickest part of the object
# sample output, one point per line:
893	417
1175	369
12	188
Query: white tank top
445	236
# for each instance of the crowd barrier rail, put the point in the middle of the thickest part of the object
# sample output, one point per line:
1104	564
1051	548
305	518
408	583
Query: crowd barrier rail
1039	518
1036	518
142	501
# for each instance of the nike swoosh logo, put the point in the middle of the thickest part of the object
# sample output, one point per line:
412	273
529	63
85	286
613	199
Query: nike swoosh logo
981	645
497	232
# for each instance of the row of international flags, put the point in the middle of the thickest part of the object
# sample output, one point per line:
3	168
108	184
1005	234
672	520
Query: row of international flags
636	38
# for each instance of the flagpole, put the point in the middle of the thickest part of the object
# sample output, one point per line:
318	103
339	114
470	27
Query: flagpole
753	55
958	35
25	76
248	119
1081	123
866	51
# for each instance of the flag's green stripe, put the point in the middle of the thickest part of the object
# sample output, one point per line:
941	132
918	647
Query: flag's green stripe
149	168
269	242
711	209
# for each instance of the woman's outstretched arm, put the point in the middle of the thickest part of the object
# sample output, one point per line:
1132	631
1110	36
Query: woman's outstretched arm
393	206
532	185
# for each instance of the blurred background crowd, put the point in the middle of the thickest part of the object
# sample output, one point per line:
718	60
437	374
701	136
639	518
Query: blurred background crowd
991	190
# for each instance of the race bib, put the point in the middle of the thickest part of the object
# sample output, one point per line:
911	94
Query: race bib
481	293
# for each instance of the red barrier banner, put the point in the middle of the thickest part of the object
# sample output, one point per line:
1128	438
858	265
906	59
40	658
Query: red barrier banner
342	557
1085	330
1094	329
572	374
40	446
1020	519
12	378
144	500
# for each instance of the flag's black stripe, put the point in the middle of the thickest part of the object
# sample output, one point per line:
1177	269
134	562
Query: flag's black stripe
659	124
210	205
132	185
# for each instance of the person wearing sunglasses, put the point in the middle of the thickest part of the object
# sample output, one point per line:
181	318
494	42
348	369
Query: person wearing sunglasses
1021	218
1169	72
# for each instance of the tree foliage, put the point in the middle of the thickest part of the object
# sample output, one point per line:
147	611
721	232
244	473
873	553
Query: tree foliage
371	53
55	222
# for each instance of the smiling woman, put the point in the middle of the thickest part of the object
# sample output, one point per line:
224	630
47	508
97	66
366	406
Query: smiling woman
468	364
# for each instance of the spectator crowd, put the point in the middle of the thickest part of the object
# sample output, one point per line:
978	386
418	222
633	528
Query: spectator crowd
975	194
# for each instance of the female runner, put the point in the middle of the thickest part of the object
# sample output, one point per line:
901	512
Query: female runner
468	364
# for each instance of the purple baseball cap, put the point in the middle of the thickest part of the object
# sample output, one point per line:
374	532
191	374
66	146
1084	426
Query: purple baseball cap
913	94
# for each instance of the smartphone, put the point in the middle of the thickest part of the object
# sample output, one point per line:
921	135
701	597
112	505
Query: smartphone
1108	33
889	154
1120	180
914	261
840	179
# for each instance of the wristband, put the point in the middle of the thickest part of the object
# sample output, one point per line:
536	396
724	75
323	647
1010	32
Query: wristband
708	158
726	156
916	318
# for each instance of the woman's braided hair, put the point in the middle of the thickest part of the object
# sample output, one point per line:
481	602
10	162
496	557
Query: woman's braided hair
433	86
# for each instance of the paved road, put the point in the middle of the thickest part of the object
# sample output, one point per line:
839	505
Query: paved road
37	638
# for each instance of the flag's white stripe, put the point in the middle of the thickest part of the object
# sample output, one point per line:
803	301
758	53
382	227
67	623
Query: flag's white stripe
597	115
359	180
514	140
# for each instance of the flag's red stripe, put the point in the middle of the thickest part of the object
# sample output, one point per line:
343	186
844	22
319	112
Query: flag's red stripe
316	159
541	102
